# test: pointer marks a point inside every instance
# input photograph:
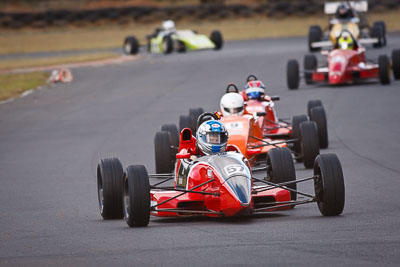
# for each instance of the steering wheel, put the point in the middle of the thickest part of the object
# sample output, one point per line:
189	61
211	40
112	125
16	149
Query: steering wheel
205	117
234	86
251	77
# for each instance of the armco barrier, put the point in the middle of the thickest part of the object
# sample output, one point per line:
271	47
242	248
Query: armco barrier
122	15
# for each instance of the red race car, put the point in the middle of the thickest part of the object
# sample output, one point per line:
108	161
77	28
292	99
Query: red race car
345	64
216	185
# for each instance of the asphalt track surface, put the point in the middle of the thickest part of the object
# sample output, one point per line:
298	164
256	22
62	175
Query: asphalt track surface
51	141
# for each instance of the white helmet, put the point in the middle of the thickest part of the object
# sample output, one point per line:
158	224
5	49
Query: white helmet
168	25
232	104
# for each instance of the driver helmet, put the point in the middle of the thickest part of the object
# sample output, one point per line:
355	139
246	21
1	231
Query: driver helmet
346	41
212	137
255	90
232	104
168	25
343	12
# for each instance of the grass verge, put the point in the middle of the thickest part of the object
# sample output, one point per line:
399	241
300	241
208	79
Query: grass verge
107	36
43	62
12	85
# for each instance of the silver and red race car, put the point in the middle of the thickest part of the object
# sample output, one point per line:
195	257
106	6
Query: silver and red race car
217	185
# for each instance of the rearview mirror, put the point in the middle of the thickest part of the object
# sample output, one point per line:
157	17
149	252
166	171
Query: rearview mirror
275	98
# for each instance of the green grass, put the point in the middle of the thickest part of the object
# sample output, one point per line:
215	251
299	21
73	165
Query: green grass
12	85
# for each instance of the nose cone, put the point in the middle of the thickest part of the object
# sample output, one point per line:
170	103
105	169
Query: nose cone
240	187
237	197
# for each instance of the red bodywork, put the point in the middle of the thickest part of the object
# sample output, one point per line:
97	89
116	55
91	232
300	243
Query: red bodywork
346	66
225	180
269	124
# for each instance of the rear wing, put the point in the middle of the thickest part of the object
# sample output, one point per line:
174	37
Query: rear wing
359	6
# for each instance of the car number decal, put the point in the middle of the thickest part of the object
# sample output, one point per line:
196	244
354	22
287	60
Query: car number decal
234	169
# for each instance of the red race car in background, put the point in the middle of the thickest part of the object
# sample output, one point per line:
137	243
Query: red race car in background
274	127
344	65
216	185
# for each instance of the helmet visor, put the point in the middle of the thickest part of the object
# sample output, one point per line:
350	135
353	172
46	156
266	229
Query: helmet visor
234	110
254	95
215	138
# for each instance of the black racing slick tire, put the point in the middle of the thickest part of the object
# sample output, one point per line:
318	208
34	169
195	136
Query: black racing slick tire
194	114
313	103
280	168
377	31
173	133
382	25
310	65
329	185
185	121
136	196
109	188
217	39
309	143
292	74
167	45
164	159
319	117
396	63
296	121
384	69
131	45
314	35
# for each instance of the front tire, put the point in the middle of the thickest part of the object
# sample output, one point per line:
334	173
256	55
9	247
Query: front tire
384	69
318	115
296	121
329	185
109	188
396	63
309	143
136	196
281	168
292	74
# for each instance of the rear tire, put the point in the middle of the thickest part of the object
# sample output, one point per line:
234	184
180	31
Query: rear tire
136	196
131	45
109	188
194	114
167	44
185	121
396	63
281	168
377	31
309	143
311	104
384	69
310	65
319	117
292	74
314	35
382	25
173	133
217	39
329	185
163	153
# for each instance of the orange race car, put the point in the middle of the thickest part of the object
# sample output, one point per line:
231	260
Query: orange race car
245	132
